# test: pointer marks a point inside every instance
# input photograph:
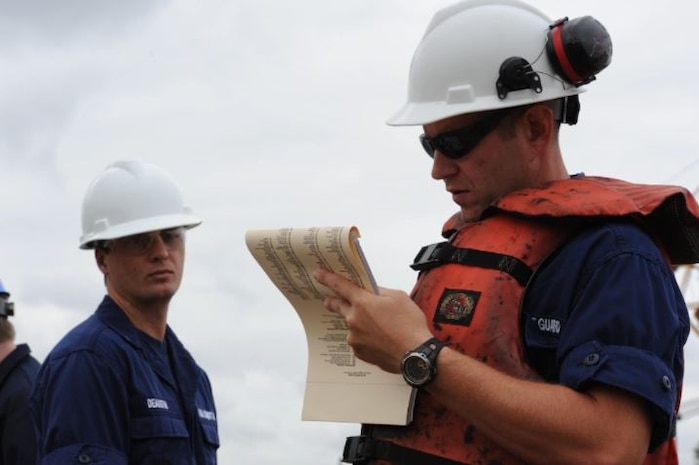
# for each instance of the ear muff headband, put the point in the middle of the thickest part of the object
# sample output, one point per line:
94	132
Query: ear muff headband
577	51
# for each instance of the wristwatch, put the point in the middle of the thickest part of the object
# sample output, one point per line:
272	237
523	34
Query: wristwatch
419	366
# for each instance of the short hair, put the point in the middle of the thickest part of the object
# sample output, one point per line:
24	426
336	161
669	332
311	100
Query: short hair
507	128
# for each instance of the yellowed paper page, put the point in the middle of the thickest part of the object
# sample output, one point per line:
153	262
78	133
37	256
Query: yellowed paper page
339	386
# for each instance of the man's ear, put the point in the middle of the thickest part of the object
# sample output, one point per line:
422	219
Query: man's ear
100	255
539	125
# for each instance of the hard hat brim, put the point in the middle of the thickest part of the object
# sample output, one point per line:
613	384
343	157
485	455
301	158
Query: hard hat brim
140	226
421	113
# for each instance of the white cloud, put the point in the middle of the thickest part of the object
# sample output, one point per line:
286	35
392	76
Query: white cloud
271	113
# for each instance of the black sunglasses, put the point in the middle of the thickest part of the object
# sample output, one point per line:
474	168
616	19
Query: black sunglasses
455	144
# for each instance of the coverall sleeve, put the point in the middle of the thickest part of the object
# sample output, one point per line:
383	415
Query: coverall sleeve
624	322
80	405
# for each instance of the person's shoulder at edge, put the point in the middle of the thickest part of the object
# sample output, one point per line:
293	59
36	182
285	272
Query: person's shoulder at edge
594	245
602	240
94	334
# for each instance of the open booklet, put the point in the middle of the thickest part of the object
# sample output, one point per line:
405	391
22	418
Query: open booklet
339	386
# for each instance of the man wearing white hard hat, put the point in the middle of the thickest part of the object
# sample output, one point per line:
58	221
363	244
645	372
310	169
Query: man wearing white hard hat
547	326
120	388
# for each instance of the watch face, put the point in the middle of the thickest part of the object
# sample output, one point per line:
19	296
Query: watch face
417	369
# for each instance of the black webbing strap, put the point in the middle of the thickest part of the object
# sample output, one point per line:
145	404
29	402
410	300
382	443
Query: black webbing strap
434	255
361	449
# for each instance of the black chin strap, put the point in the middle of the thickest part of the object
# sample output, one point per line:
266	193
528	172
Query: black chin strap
570	109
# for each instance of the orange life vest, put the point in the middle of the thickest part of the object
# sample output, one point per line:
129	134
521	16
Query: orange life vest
481	304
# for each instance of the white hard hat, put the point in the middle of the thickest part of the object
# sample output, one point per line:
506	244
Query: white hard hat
132	197
480	55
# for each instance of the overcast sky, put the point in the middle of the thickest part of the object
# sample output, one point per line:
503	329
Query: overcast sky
270	113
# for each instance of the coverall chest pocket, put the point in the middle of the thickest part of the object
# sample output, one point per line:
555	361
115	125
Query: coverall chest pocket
211	440
160	440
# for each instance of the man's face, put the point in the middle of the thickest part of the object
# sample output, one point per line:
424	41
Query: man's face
144	268
492	168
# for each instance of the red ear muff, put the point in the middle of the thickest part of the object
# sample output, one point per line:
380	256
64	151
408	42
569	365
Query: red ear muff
579	49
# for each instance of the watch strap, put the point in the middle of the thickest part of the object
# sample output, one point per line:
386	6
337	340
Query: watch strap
431	348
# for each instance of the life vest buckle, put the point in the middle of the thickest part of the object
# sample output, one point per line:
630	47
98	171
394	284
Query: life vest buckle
428	257
354	451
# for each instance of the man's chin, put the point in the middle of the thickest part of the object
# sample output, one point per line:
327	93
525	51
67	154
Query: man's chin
161	293
469	215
